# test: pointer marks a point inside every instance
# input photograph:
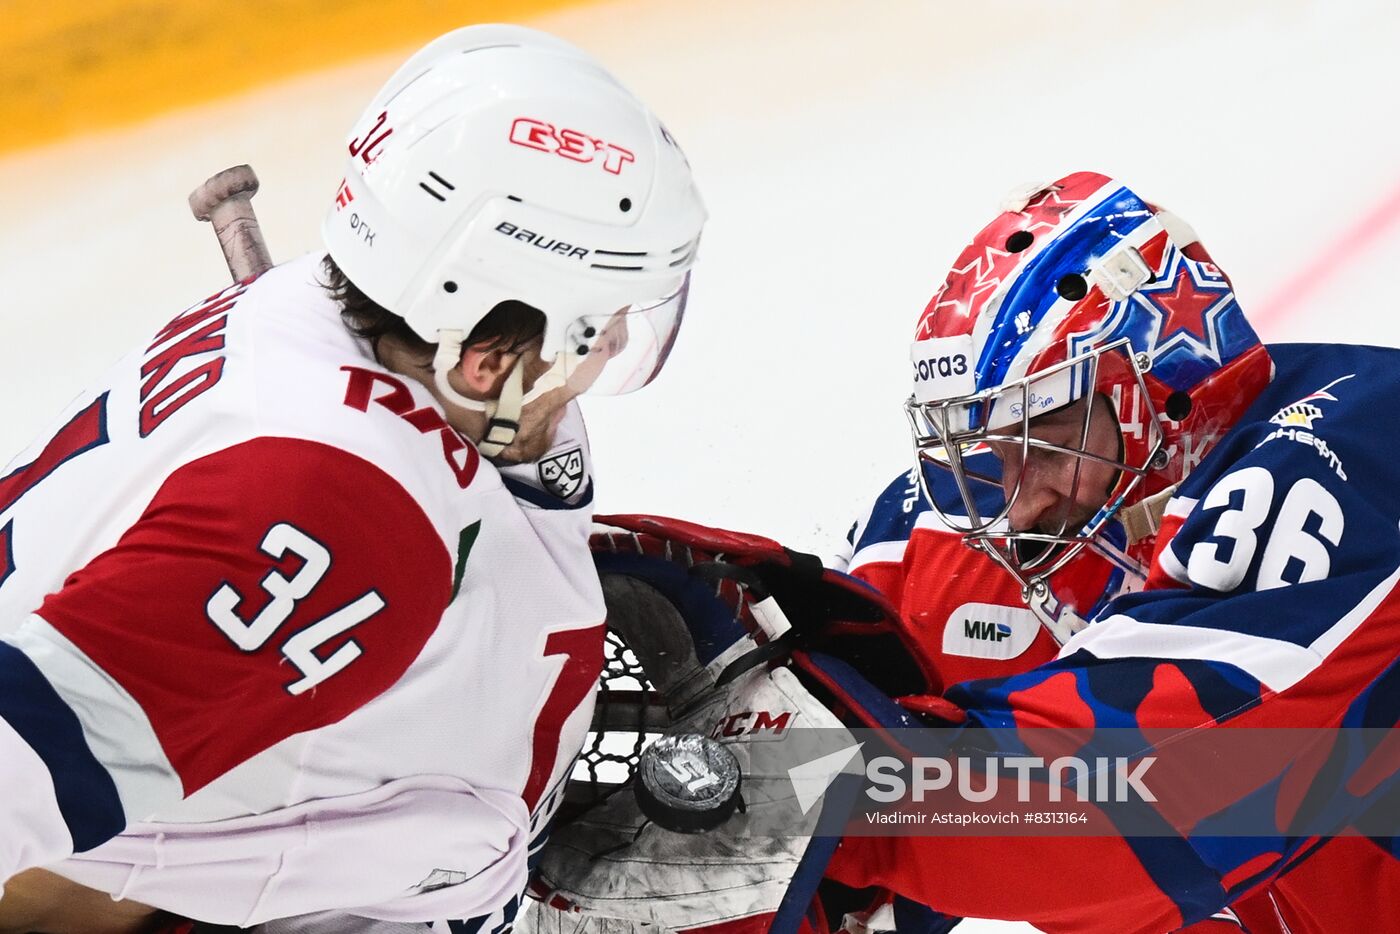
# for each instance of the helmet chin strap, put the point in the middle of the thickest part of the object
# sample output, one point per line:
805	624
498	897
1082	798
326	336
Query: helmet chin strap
503	412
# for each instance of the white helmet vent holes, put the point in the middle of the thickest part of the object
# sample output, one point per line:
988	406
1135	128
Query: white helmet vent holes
625	205
449	286
437	183
686	253
621	255
618	260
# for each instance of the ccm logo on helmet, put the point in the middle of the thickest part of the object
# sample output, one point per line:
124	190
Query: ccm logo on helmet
571	144
935	367
534	239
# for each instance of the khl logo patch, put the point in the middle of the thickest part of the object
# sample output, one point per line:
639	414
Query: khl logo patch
562	474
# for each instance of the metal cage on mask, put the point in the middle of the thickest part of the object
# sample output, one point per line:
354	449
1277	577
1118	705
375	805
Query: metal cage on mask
988	442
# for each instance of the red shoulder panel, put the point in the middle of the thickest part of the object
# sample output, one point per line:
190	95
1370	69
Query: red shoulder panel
268	589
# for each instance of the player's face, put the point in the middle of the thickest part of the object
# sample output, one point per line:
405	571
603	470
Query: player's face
1059	491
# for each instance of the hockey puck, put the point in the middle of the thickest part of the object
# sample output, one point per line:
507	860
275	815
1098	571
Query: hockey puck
687	783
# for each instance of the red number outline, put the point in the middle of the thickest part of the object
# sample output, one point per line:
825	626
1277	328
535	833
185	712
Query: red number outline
83	432
583	663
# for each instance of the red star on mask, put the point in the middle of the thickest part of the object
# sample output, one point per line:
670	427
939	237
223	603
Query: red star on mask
1184	310
1049	208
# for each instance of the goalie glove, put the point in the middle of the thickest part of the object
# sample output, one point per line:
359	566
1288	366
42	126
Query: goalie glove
734	632
614	863
692	601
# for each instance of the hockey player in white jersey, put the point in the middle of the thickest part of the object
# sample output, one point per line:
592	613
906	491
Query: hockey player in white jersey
297	605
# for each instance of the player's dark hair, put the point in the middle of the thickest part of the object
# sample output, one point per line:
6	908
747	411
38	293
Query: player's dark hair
509	326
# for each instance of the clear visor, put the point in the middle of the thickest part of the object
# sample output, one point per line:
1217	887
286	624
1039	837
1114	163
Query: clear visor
610	354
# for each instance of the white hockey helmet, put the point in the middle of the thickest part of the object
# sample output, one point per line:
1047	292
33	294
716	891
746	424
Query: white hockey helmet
500	163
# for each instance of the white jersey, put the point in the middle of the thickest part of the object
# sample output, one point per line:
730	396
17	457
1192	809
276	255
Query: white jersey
277	639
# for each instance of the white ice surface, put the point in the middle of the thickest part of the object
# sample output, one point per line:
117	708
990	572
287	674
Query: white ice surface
847	152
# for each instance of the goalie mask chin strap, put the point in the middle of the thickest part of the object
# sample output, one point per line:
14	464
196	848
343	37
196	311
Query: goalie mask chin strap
1143	519
503	412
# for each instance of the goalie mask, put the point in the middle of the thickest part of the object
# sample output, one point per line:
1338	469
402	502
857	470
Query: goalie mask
502	164
1082	356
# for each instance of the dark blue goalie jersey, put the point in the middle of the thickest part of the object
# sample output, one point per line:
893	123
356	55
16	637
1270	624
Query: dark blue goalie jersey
1272	603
